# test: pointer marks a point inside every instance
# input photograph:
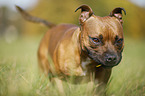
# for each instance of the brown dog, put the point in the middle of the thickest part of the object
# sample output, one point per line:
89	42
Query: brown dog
93	48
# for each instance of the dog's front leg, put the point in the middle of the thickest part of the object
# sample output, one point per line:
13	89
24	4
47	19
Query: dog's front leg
59	85
102	75
101	79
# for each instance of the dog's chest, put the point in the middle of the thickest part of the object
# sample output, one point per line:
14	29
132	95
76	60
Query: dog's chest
85	62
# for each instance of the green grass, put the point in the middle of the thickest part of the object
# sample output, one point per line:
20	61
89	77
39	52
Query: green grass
19	75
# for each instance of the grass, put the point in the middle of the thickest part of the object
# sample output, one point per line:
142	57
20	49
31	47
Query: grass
19	75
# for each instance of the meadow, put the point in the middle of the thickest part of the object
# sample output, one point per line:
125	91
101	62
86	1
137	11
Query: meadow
20	76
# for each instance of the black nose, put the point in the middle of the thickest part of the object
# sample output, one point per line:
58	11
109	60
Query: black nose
111	59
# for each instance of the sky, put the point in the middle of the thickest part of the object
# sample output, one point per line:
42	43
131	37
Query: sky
139	2
30	3
23	3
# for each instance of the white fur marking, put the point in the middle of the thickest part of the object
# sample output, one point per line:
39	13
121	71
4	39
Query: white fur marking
84	64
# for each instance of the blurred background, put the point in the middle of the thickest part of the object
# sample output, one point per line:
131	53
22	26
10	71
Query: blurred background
19	41
62	11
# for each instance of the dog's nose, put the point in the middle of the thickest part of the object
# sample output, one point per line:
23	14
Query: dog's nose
111	58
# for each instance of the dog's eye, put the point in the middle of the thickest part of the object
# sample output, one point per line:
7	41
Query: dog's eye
96	40
119	41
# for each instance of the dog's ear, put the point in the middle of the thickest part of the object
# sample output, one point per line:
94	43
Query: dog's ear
86	12
117	12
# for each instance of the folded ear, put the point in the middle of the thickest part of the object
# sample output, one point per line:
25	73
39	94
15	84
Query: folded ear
86	12
117	12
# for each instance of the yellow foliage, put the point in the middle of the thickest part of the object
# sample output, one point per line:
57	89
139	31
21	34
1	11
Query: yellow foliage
62	11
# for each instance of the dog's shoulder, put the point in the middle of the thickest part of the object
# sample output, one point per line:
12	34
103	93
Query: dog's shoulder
58	33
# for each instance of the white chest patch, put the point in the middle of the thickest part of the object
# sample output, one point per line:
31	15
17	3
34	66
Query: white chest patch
84	64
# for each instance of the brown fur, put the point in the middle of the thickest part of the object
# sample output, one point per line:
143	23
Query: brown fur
69	50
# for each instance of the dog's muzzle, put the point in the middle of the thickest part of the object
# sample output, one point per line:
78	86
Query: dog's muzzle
110	59
107	60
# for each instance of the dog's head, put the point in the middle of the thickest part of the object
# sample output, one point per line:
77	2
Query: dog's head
102	37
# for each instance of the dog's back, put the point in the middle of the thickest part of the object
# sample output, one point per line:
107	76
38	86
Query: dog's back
57	33
49	43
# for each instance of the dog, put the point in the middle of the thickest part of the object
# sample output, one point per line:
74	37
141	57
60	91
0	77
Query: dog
93	48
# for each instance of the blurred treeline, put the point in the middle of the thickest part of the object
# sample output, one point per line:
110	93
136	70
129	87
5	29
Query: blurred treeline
62	11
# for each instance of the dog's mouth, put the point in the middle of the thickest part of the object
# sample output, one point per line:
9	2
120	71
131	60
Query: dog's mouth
108	66
105	64
101	62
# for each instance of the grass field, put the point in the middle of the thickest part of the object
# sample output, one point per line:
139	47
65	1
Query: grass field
19	75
